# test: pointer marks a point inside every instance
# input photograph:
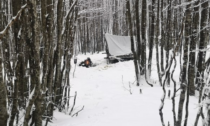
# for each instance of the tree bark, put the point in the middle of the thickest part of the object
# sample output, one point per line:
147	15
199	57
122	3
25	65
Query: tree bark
35	69
151	43
3	99
161	38
184	82
157	41
16	6
115	17
143	42
138	41
58	52
128	13
191	71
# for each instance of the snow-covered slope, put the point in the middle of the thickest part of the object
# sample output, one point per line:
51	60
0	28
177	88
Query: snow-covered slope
104	92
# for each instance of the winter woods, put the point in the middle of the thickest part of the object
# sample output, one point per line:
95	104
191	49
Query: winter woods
177	30
38	39
36	48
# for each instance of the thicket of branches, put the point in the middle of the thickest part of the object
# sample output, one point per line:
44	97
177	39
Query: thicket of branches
36	49
176	28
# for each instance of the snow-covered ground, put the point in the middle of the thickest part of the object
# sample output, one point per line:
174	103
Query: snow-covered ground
103	90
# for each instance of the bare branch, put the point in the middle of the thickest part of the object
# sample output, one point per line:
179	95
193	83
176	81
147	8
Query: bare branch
78	112
73	103
14	19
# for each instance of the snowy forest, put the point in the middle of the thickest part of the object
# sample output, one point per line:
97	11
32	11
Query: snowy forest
41	39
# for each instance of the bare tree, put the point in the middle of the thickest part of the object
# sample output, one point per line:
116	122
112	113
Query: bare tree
132	40
28	58
143	31
152	31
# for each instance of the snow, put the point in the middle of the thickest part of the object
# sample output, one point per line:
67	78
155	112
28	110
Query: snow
103	90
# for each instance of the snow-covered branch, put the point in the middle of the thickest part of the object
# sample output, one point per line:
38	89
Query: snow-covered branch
2	33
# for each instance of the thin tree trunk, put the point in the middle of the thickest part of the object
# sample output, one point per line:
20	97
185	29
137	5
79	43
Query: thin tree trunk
3	102
115	17
151	37
202	51
34	64
158	67
128	13
58	52
184	82
174	93
168	37
138	45
188	32
161	39
191	71
35	70
157	40
14	112
143	31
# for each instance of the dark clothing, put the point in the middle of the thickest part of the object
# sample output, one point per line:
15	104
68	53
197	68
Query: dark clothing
86	63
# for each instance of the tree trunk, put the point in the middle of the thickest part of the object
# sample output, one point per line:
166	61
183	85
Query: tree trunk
128	13
184	72
151	37
115	17
138	42
58	52
202	52
157	41
143	31
3	102
161	39
168	37
14	112
35	69
194	38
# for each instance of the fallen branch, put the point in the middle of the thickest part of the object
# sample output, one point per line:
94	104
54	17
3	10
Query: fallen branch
73	103
126	88
14	19
78	111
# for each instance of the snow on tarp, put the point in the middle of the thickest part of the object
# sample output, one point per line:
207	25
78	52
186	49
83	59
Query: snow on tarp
118	45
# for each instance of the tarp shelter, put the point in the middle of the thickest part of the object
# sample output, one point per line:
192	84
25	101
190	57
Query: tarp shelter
119	46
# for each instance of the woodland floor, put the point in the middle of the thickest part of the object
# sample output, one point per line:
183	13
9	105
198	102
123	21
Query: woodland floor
103	90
